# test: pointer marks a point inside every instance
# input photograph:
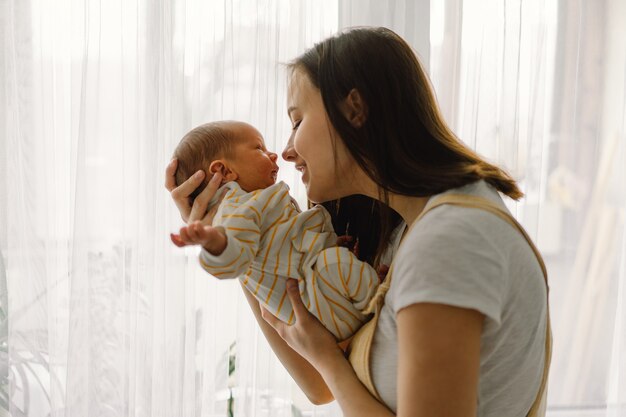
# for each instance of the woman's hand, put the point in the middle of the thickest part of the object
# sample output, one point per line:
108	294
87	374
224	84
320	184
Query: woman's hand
307	336
310	339
180	194
188	212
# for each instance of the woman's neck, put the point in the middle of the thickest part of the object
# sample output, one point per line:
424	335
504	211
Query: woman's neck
407	207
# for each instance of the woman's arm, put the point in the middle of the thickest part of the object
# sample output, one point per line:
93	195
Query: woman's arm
438	360
438	365
352	396
305	375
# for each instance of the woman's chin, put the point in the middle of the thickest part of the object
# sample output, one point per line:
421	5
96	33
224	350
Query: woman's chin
311	195
317	197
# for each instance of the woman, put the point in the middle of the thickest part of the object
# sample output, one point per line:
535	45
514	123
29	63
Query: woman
461	325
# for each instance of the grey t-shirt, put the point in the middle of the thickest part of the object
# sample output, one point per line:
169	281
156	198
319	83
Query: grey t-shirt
473	259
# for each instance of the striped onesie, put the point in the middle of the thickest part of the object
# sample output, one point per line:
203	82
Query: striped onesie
270	240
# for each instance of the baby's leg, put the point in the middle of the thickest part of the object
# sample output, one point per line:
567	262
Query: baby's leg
344	285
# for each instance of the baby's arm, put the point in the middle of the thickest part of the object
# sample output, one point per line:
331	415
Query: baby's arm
242	231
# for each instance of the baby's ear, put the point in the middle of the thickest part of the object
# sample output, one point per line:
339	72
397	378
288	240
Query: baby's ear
221	166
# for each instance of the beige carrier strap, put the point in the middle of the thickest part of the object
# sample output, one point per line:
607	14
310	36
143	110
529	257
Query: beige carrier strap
360	346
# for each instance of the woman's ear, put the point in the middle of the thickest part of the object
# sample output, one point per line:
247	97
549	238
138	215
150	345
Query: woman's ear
221	166
355	109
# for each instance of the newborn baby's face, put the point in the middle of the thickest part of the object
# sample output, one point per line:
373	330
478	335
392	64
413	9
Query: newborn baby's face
254	164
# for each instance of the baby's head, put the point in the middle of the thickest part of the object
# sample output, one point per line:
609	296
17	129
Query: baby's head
235	149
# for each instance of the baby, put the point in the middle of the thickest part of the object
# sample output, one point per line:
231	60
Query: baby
261	237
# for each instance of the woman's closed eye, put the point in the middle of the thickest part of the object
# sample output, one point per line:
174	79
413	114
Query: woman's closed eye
296	124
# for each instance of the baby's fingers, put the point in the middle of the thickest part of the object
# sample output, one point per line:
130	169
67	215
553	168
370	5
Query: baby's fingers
185	237
204	233
344	240
196	232
176	239
193	234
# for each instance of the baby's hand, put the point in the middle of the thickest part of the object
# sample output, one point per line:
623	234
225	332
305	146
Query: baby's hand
382	272
344	240
349	242
213	239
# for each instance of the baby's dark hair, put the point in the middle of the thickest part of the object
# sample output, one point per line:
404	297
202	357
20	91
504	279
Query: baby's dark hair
198	148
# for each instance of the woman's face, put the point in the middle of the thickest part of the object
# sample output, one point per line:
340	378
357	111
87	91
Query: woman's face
314	145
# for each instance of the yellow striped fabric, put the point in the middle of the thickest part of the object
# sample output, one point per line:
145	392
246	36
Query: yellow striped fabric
271	240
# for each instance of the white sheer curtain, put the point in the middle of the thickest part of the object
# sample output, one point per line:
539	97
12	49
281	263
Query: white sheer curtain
107	318
539	86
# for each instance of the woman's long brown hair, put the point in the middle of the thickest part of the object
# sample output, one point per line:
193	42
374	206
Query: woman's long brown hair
404	145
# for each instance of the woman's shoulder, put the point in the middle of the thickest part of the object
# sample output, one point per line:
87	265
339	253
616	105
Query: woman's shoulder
456	223
456	255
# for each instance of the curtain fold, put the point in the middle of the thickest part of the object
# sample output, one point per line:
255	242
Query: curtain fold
103	316
539	88
108	318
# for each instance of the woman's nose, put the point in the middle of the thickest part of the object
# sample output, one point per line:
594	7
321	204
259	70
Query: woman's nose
289	153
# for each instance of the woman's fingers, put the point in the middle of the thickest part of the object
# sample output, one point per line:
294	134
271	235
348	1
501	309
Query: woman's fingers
273	321
300	312
181	194
306	335
293	292
170	171
210	215
176	192
201	203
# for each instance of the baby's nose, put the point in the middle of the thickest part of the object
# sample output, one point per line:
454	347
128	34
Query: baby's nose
273	156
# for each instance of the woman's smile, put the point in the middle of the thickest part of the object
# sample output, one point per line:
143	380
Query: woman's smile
302	169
